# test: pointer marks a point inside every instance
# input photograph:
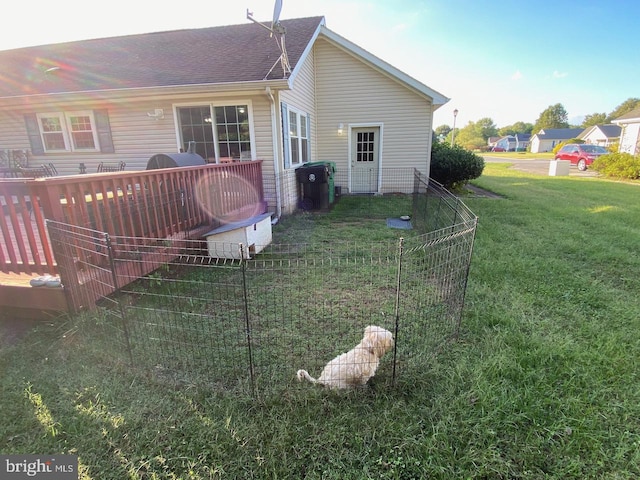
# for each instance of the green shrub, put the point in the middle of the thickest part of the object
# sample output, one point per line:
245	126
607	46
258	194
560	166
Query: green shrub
454	166
562	144
619	165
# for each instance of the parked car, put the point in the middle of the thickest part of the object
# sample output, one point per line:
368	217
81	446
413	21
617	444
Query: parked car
497	149
581	155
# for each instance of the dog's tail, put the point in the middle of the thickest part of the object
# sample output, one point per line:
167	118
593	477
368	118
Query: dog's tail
304	375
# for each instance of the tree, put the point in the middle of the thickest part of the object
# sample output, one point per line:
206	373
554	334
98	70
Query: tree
594	119
442	131
518	127
555	116
625	107
469	137
474	135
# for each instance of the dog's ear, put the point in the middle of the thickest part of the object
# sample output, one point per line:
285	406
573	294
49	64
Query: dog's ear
370	339
377	340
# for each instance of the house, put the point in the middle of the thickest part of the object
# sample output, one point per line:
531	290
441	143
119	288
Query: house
233	93
492	141
512	143
630	134
546	139
603	135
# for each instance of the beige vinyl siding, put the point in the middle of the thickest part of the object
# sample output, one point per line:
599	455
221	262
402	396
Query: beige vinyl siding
301	98
13	134
349	91
136	136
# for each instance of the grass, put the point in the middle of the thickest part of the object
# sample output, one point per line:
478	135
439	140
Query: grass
543	382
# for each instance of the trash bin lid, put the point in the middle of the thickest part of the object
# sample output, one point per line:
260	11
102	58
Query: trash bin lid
171	160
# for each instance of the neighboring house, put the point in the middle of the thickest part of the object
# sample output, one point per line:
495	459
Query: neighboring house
630	134
228	89
546	139
603	135
513	143
522	141
492	141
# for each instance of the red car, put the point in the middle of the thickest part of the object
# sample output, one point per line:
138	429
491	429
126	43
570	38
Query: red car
580	154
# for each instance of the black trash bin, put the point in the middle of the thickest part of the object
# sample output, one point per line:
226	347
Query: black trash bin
315	186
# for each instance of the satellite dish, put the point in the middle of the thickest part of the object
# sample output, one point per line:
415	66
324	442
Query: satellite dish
279	30
277	8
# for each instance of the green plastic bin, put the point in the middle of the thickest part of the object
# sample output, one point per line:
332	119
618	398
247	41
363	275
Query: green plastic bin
331	179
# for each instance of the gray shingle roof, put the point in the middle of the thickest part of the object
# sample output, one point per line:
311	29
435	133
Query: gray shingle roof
560	133
610	131
635	113
228	54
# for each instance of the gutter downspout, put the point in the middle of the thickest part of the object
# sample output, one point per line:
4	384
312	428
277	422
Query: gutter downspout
276	159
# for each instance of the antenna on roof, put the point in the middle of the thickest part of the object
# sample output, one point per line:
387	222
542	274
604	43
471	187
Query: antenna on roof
279	31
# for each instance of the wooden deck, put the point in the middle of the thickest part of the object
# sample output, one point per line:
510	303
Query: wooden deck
19	299
162	203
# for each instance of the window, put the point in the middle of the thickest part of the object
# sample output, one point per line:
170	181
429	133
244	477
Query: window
298	137
365	147
232	125
70	131
218	131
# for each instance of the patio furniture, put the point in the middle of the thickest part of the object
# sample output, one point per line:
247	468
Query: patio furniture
33	172
111	167
51	170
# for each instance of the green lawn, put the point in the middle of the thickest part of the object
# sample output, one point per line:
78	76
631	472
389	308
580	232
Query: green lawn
543	382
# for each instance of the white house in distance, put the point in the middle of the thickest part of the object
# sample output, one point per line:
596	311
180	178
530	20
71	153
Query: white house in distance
603	135
228	91
630	135
546	139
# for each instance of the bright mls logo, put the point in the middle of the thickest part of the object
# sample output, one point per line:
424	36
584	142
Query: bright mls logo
51	467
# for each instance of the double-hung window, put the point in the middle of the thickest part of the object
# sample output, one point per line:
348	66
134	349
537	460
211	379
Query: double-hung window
298	137
68	132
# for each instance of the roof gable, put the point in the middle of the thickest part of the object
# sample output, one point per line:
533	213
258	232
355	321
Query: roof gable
228	54
437	98
631	117
608	131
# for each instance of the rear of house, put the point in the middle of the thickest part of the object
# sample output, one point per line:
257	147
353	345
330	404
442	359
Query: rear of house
125	99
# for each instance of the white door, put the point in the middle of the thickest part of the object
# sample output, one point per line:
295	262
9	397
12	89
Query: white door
365	159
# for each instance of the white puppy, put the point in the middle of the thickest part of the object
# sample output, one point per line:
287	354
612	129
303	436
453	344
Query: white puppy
356	366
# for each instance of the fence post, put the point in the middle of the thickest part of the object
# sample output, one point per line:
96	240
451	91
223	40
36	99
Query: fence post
114	277
246	317
397	308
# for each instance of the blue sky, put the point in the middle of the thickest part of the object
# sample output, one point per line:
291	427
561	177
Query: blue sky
501	59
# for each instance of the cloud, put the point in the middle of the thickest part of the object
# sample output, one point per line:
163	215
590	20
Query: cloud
517	75
557	74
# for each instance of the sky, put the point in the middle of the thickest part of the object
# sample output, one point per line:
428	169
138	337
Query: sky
501	59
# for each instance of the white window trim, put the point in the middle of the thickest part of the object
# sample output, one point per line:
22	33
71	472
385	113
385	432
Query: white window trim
299	114
212	106
65	122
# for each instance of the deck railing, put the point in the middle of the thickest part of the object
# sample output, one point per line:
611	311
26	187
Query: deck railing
149	203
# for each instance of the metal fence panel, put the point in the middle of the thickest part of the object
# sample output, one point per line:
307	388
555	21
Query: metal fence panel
250	324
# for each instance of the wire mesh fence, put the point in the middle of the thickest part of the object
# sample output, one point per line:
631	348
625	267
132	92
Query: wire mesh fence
248	324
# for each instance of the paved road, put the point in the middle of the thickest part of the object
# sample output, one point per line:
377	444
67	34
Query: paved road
539	166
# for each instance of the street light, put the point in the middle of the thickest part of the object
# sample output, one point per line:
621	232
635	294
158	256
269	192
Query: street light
453	134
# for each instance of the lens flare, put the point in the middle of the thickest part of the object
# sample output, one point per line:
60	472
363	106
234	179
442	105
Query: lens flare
228	197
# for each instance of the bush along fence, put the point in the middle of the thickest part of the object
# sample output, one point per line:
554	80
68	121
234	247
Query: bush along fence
248	324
